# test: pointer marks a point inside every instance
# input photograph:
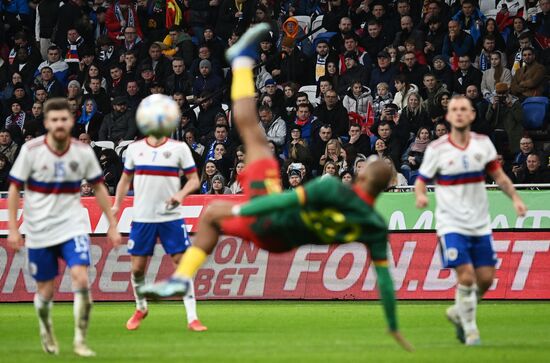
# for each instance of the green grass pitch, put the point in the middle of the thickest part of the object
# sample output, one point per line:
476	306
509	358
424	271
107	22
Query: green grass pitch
285	331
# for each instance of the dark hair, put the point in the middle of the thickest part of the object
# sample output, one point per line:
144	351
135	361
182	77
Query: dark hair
302	94
384	123
265	108
307	105
56	104
222	126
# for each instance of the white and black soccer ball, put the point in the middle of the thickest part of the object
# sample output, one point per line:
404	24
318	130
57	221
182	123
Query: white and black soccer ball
158	115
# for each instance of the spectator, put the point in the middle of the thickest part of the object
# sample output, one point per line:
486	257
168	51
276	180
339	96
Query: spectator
383	98
120	124
117	86
17	117
347	177
333	74
470	19
58	66
218	185
384	72
179	80
517	58
93	71
483	59
5	167
160	64
374	39
99	95
90	120
360	142
506	118
333	113
292	64
532	172
207	113
277	97
112	169
20	95
220	158
191	140
214	44
415	154
431	90
234	15
412	70
47	80
121	15
72	14
307	122
403	90
457	43
526	147
179	44
394	148
438	113
294	178
414	114
73	50
441	129
480	125
358	99
333	153
342	25
360	56
46	19
85	139
220	136
319	144
380	149
7	146
234	185
491	28
408	32
515	33
443	72
34	124
132	42
86	190
208	173
397	180
206	81
496	74
434	38
275	128
24	65
466	75
330	169
529	80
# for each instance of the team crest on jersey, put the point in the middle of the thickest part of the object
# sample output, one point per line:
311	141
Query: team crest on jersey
167	154
73	165
452	254
477	157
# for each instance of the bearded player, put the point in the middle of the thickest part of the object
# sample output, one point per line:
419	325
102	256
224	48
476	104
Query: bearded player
323	211
458	163
154	164
51	168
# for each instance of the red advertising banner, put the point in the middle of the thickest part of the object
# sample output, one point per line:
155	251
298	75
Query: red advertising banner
239	270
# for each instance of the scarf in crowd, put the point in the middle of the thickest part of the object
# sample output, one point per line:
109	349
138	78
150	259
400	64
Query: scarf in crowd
320	67
517	62
119	16
15	119
484	63
419	146
86	117
72	51
204	187
210	154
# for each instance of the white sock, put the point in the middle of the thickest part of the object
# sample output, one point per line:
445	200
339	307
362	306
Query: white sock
43	308
466	301
137	282
243	62
190	304
82	308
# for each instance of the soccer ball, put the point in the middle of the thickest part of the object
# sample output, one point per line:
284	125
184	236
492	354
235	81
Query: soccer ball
158	115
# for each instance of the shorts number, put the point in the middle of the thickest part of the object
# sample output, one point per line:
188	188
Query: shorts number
81	244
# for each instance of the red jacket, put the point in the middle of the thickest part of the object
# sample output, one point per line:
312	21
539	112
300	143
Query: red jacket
113	25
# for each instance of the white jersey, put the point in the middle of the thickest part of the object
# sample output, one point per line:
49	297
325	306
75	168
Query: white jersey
52	210
459	173
156	172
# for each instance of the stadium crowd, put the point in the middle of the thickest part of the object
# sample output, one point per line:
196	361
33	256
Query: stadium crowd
376	78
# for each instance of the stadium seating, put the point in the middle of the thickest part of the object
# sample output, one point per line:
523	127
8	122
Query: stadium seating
304	21
535	112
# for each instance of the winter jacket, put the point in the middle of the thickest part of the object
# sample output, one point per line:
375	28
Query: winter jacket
276	131
175	83
462	45
401	99
529	80
474	28
488	81
210	83
416	74
10	151
337	118
358	104
386	76
430	98
380	102
46	18
509	119
118	126
462	81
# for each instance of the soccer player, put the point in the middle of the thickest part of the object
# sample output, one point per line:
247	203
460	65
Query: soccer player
154	165
323	211
458	162
51	168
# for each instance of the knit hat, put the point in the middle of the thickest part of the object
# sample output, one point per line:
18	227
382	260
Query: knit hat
501	87
287	42
206	64
74	82
218	177
270	82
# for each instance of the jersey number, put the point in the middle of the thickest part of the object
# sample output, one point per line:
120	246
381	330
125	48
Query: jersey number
81	244
330	223
59	169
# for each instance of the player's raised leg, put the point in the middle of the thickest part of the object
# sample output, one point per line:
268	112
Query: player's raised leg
43	303
242	57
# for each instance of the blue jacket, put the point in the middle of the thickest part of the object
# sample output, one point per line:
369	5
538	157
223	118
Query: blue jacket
16	7
377	76
463	45
474	29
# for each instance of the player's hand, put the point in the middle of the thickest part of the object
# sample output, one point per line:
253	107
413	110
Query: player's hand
15	240
520	207
400	339
114	236
173	202
421	201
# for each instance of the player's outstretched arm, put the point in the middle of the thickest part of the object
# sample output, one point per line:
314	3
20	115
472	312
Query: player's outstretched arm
387	295
500	177
192	185
15	240
121	192
102	197
421	193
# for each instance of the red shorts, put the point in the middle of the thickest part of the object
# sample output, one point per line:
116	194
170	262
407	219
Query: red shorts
259	178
